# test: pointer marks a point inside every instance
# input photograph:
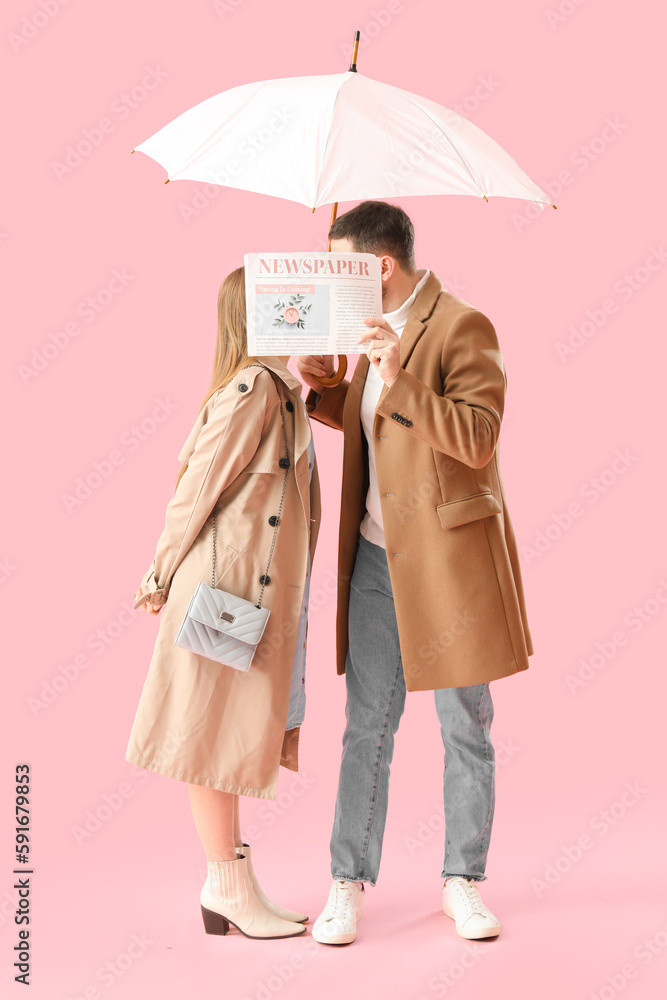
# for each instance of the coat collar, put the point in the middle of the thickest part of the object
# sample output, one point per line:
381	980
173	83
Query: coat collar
281	369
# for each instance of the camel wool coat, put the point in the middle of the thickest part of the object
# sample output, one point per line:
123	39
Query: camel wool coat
451	550
198	720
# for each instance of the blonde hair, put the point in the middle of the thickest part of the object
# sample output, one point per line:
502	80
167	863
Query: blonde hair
231	348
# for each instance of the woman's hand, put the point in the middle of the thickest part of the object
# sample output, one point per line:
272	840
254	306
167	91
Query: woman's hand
312	365
149	608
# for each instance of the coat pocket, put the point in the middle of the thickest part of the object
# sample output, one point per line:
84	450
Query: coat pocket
471	508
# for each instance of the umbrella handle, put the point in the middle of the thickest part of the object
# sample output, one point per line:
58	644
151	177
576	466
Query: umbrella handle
337	376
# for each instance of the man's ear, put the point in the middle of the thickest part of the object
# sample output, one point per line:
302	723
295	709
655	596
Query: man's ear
387	266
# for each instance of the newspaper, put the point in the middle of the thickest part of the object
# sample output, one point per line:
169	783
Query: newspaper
310	303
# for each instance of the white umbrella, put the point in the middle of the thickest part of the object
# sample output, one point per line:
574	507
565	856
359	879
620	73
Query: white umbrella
342	137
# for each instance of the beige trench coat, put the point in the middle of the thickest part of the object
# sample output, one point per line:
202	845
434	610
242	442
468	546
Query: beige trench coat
451	550
198	720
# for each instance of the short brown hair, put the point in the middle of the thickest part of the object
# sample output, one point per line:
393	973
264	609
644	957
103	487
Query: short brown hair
378	227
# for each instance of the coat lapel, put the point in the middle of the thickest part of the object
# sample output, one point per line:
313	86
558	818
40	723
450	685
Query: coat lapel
416	322
421	309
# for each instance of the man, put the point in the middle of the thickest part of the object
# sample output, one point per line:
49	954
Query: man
429	587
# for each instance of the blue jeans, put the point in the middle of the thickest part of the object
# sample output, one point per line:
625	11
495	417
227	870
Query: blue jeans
375	702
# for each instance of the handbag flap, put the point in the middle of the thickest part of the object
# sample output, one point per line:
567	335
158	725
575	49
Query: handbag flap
243	620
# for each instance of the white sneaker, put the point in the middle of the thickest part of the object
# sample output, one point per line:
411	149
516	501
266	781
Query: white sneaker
337	923
461	901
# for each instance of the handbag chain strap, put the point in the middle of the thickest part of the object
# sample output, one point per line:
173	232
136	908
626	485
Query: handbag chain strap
280	506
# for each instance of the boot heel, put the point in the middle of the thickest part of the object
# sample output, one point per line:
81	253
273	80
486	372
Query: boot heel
214	923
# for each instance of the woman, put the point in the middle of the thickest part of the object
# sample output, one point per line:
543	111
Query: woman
223	731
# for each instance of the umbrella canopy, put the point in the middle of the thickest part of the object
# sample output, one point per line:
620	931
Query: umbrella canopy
341	137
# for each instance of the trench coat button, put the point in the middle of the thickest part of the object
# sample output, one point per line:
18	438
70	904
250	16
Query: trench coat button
274	520
395	416
265	579
289	405
243	387
408	423
284	463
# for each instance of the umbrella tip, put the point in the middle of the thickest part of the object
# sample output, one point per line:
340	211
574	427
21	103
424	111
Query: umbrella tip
554	206
167	181
131	150
484	197
313	208
355	50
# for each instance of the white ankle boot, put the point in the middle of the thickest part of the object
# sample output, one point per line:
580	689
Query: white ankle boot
273	908
228	897
337	923
461	901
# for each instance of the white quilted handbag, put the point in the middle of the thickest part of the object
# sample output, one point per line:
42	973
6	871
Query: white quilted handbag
222	626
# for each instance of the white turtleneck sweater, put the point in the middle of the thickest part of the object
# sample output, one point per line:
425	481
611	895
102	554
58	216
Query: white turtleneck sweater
371	526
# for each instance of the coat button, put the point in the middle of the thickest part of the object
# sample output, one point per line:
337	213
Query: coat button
395	416
284	463
243	387
408	423
289	406
274	520
265	579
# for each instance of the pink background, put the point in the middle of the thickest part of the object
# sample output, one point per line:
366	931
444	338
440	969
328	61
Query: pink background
568	756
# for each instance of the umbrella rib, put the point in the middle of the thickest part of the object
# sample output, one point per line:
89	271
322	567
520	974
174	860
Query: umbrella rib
451	143
326	144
